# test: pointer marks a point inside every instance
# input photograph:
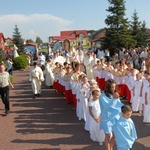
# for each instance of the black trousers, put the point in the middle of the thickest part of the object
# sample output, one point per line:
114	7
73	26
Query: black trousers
4	92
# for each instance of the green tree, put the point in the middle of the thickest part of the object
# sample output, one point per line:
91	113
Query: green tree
29	41
18	40
139	31
38	41
117	35
135	26
145	36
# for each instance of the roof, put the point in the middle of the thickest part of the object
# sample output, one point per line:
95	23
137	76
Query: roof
11	39
8	49
148	31
74	32
62	38
98	35
2	37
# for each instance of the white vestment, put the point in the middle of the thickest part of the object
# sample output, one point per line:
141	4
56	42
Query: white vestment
89	70
49	75
95	133
136	103
36	77
147	107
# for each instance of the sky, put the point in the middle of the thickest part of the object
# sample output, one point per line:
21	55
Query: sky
46	18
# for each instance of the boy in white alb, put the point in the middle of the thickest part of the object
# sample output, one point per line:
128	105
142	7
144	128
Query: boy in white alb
94	109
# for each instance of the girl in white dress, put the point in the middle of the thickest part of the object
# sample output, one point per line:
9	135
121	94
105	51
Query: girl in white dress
137	93
144	87
143	65
130	83
93	86
84	96
79	110
147	105
94	109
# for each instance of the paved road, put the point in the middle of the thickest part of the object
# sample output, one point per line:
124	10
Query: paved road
48	123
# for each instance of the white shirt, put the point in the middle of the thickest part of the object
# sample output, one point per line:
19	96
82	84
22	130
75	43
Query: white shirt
101	54
143	54
4	78
41	58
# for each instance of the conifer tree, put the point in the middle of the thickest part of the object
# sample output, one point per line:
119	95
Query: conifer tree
18	41
145	36
135	26
117	32
139	31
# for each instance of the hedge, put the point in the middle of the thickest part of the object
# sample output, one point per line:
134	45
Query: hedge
20	62
11	78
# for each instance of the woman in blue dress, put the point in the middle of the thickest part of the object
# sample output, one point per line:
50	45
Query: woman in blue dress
110	111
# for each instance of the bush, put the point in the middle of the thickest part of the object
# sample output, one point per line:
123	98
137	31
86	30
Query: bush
11	78
20	62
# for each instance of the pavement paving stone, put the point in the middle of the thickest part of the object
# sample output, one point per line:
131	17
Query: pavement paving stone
49	123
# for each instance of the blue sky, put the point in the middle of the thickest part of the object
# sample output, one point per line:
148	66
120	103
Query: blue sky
45	18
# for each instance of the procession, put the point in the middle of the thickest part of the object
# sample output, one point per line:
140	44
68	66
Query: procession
81	76
75	75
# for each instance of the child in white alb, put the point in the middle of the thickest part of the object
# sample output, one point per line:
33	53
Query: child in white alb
79	110
144	87
130	82
84	96
93	86
137	93
95	113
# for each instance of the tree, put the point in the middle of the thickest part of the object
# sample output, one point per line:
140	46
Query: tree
29	41
38	41
139	31
18	41
135	26
145	36
117	35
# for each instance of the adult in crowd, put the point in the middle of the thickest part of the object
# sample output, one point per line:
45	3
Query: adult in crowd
87	63
41	61
100	53
4	87
36	77
9	65
107	55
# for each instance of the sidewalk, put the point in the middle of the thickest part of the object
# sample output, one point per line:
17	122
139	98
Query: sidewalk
49	123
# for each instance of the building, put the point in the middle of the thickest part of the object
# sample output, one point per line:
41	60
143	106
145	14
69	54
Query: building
71	38
2	41
9	41
31	49
98	36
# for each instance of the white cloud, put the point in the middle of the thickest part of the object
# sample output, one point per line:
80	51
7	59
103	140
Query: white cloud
30	26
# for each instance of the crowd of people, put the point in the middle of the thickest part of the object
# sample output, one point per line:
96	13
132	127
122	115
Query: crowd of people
95	82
